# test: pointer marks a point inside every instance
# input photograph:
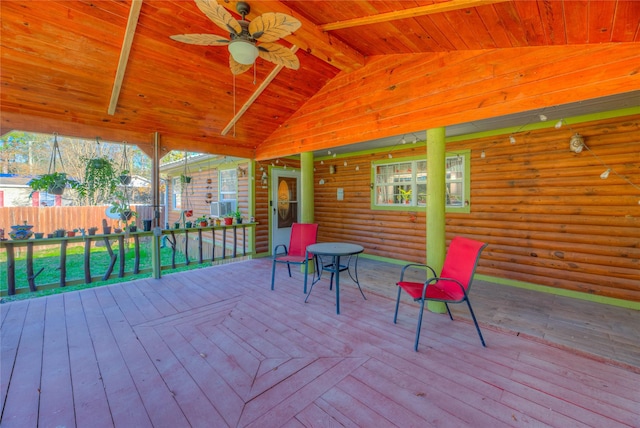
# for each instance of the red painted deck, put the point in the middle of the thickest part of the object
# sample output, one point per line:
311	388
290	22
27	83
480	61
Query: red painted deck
215	347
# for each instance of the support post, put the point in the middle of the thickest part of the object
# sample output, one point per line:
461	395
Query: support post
307	214
155	191
436	188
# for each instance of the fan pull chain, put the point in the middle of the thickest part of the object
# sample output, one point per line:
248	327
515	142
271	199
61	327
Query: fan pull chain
234	105
254	73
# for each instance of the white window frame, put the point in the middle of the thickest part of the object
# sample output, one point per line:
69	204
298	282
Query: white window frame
412	177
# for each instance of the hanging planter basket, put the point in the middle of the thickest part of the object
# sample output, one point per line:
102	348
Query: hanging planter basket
125	169
185	179
98	163
126	215
56	189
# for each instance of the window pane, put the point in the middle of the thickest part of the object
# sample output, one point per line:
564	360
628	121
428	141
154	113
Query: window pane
176	188
228	184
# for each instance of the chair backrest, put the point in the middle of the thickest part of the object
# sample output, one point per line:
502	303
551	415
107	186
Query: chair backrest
302	234
461	259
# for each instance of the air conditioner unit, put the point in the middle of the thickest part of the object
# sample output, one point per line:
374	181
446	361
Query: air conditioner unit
223	208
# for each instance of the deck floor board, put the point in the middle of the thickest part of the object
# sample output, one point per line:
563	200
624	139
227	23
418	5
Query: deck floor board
217	347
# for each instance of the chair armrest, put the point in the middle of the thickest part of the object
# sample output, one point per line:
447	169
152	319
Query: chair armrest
275	251
436	279
414	265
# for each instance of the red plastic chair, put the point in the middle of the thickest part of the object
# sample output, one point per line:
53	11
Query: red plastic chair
302	235
453	284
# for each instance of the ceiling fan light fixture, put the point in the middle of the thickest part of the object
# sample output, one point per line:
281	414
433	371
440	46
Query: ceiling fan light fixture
243	52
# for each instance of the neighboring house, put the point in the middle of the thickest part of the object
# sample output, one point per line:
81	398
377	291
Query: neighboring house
213	179
15	191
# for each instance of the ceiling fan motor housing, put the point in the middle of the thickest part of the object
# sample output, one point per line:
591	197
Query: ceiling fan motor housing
243	8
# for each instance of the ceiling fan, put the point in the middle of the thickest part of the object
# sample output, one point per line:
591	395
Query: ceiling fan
247	39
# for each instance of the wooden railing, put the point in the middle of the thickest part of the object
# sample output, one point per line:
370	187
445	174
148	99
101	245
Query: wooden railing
210	245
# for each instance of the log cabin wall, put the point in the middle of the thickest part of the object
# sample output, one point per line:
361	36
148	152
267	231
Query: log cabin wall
548	217
262	209
205	180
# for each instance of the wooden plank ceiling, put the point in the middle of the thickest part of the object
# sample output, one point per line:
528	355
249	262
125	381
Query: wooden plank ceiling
388	66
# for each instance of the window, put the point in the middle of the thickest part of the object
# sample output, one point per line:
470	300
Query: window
228	184
176	194
455	181
404	183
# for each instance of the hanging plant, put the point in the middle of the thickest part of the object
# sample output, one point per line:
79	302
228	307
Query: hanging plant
100	179
125	174
120	205
125	178
53	182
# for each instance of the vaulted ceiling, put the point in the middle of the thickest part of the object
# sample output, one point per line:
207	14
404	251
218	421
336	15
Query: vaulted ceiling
368	69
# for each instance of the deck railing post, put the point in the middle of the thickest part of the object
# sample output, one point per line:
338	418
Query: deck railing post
156	263
31	278
63	263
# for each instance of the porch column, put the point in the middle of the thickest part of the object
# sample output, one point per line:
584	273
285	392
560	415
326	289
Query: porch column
307	206
155	194
436	185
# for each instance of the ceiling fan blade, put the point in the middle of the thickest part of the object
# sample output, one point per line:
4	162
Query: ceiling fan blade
219	15
201	39
236	67
279	55
271	26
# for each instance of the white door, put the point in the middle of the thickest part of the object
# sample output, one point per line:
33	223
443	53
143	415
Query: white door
285	204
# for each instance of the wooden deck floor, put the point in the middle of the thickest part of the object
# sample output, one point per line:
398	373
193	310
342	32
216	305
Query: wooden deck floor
215	347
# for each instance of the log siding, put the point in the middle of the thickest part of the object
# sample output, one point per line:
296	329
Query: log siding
547	215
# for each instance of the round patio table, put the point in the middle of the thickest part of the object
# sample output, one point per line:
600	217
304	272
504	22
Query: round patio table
335	250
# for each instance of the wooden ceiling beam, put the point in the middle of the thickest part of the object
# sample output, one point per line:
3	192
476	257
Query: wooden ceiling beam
309	37
132	23
408	13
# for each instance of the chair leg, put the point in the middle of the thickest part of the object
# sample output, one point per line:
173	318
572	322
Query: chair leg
273	273
395	316
476	323
317	273
306	273
289	268
415	347
448	311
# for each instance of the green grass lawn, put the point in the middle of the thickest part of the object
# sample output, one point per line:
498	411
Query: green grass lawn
49	259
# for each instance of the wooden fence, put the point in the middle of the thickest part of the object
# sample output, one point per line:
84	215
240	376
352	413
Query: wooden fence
48	219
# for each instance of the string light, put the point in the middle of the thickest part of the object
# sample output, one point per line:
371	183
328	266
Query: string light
609	170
